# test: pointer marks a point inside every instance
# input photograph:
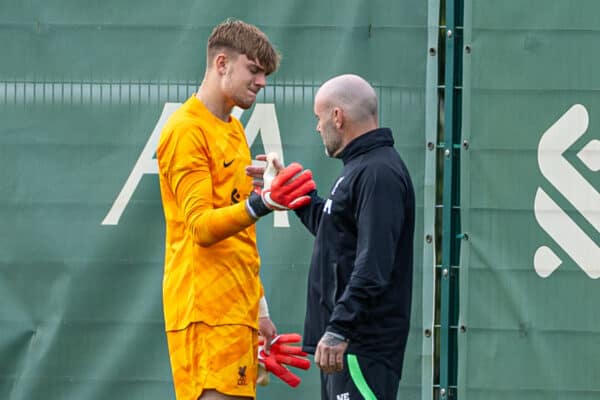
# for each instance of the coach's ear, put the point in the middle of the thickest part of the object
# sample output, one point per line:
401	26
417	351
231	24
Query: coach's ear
338	117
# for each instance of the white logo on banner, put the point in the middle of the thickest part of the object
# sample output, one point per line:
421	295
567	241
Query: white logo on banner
263	120
575	188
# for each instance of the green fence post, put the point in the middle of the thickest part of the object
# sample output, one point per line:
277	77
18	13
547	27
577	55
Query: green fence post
448	279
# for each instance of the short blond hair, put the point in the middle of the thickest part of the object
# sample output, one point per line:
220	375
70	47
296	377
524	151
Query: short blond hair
243	38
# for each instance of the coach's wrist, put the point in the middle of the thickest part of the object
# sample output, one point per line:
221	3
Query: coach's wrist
337	336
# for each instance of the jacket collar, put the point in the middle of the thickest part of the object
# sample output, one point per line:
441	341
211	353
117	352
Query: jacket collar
366	142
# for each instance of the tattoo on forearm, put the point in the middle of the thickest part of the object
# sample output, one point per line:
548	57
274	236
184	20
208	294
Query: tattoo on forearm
331	340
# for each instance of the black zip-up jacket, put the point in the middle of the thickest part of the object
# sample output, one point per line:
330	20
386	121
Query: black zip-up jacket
360	277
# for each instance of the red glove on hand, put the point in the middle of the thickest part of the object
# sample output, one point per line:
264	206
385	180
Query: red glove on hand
284	354
289	189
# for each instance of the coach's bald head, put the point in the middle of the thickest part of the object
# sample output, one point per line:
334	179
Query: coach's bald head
352	94
346	107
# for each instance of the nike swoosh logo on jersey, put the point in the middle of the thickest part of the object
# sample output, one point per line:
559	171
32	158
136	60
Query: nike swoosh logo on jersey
227	164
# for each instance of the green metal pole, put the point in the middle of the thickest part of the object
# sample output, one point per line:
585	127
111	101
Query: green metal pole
451	202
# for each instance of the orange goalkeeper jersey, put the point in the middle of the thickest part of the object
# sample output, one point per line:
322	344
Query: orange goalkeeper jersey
211	259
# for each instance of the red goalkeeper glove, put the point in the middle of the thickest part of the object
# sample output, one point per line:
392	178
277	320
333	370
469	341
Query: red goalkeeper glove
284	354
289	189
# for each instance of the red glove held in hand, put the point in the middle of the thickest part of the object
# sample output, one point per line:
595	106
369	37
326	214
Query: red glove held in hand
289	190
290	355
283	354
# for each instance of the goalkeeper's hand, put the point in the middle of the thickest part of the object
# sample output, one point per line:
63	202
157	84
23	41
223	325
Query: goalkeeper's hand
257	171
282	353
284	188
289	188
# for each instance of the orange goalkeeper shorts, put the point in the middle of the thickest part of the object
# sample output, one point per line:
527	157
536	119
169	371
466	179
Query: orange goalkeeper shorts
223	358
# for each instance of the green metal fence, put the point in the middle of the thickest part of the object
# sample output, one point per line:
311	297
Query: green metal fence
529	335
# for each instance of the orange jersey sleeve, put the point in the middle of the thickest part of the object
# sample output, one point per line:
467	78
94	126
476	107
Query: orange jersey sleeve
211	260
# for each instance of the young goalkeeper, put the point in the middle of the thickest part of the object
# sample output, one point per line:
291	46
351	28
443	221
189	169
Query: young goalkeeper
212	292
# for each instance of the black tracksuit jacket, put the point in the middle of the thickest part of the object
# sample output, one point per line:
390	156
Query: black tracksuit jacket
360	277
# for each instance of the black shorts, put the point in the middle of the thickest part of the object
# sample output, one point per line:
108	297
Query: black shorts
361	378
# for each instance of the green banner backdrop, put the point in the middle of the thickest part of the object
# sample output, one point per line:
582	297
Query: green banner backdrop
530	201
83	93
